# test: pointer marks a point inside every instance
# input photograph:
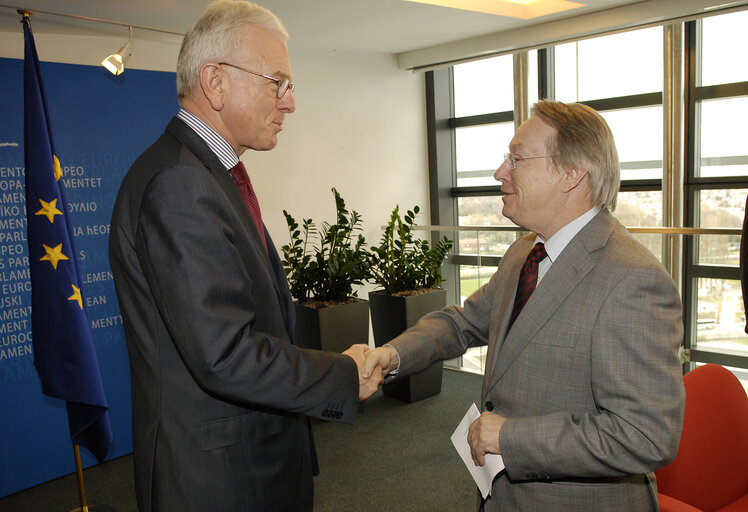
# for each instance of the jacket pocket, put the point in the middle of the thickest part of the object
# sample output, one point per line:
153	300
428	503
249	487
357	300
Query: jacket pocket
237	429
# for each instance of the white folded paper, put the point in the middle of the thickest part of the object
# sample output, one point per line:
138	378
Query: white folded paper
483	475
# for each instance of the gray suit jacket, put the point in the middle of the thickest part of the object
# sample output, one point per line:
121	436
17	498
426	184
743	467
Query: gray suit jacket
221	396
588	375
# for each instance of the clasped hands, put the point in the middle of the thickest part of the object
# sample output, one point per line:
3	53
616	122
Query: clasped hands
374	365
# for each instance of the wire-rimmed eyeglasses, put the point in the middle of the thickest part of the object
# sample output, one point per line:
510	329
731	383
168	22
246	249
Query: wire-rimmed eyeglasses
513	159
284	84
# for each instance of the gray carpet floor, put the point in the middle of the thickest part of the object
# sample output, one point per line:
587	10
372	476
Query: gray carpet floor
398	457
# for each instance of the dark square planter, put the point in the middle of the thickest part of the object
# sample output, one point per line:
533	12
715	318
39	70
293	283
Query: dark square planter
334	328
390	316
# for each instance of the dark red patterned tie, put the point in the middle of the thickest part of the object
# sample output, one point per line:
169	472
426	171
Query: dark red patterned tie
241	178
528	278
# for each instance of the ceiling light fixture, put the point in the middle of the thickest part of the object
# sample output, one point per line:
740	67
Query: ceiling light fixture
523	9
115	63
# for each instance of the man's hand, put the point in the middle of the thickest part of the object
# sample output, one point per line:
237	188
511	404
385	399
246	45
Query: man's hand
384	359
483	436
367	385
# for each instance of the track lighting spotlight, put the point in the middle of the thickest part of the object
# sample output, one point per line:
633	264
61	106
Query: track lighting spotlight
115	63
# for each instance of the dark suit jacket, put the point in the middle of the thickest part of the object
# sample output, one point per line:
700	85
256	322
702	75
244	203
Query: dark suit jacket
221	396
588	375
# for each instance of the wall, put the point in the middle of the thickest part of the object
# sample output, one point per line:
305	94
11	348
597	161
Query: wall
359	126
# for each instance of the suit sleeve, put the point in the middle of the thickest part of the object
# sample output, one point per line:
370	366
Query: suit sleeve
637	387
447	333
220	306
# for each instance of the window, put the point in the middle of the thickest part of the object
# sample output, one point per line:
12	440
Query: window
716	189
479	154
484	86
610	66
722	145
621	76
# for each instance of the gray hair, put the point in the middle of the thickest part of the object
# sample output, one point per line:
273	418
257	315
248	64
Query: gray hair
216	34
583	141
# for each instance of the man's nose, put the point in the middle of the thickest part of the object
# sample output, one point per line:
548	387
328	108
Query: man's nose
502	172
287	103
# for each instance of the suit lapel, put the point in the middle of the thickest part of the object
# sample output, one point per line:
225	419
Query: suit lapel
200	149
503	300
569	269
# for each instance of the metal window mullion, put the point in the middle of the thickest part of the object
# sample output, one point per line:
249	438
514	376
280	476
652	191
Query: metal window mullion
441	161
673	132
520	63
690	295
547	73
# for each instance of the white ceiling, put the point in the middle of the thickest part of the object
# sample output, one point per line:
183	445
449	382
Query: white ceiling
381	26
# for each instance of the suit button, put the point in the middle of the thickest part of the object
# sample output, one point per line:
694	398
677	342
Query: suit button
489	406
338	414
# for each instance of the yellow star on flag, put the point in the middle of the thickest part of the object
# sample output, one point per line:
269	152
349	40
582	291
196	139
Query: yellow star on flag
49	209
76	296
57	168
54	255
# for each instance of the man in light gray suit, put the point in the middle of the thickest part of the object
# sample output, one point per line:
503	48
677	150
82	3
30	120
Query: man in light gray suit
221	396
583	394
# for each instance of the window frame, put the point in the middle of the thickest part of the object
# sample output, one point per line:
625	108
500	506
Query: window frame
693	185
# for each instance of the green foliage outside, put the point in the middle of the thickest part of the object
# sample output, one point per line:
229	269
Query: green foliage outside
469	286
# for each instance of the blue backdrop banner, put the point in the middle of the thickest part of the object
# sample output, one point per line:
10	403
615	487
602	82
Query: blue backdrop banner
101	124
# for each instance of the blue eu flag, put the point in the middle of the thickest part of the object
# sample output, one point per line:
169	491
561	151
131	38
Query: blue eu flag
64	353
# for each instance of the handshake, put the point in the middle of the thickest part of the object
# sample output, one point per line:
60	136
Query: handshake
373	366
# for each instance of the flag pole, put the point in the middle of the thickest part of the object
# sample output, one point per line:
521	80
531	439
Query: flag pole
82	487
81	483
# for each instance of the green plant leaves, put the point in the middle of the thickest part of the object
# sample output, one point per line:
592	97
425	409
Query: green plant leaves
327	268
402	262
325	265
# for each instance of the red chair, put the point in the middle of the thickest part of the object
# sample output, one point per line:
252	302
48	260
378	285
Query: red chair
710	471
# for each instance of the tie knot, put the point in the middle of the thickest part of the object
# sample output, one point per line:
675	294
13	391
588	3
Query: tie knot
239	173
538	253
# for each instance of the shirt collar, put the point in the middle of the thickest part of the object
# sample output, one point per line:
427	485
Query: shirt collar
558	242
215	142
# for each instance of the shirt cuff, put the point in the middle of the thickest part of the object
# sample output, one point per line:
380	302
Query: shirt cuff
393	373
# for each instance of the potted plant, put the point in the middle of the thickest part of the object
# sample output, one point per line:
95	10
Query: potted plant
322	267
408	271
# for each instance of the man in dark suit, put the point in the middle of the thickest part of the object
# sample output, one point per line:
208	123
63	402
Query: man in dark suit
583	393
221	396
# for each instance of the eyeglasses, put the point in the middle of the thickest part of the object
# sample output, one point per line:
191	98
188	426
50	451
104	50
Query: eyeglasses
283	84
513	159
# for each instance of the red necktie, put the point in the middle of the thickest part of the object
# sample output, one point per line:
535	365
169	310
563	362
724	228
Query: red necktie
528	278
241	178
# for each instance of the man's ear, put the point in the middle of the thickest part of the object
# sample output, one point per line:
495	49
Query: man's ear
572	179
212	83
